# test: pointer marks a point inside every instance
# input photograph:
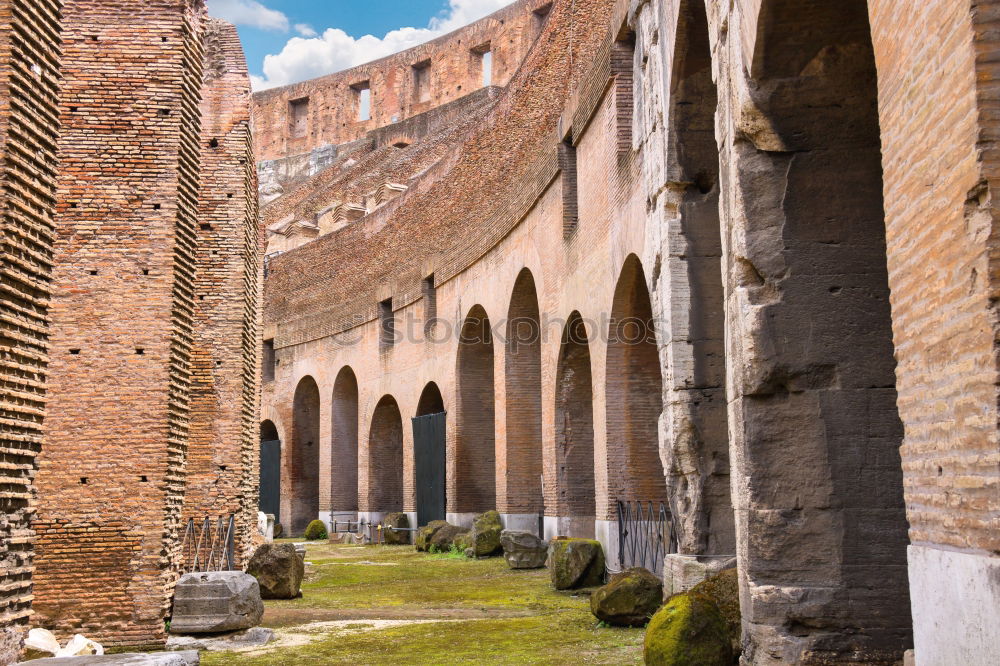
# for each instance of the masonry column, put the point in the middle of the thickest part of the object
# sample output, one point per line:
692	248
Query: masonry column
111	481
29	80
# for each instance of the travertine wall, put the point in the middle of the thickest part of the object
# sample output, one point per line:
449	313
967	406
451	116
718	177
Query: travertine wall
295	119
29	82
803	193
221	461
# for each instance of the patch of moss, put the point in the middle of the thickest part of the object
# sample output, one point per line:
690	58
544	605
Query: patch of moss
688	631
724	590
316	530
499	615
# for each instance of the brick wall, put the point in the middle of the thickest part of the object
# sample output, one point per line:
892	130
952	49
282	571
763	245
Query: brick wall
29	79
295	119
111	476
221	472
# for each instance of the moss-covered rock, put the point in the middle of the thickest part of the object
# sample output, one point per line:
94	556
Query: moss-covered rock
486	529
392	538
576	563
463	542
724	590
422	541
316	530
444	538
278	570
688	631
629	599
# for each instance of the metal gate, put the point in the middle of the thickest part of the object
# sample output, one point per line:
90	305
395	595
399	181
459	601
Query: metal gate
270	478
429	460
645	535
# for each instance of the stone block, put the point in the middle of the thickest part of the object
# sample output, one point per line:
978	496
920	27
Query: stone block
186	658
392	538
214	602
278	569
682	572
523	550
486	529
575	563
247	638
629	600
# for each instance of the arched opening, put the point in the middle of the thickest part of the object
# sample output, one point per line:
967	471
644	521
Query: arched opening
633	394
519	491
574	431
385	458
270	470
344	445
696	446
814	406
475	453
303	458
431	401
430	457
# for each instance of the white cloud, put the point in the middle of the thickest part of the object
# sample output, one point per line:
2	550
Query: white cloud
305	30
334	50
249	13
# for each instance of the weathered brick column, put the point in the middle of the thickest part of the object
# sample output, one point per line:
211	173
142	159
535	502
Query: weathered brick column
29	78
111	482
223	449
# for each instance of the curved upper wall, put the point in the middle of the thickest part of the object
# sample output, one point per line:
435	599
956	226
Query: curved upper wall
295	119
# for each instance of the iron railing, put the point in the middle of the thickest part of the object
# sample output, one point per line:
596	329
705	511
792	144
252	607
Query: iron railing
211	547
645	535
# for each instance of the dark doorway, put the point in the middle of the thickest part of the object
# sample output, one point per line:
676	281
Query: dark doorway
270	470
430	455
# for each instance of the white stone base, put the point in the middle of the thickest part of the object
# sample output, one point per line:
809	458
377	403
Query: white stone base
581	527
955	598
412	517
461	519
521	522
606	531
682	572
372	517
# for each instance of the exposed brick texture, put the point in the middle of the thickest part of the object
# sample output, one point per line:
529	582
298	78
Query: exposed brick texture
221	472
29	80
297	118
798	195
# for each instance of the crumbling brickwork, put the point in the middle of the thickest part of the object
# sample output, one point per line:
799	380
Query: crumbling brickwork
799	196
111	478
298	118
221	473
29	80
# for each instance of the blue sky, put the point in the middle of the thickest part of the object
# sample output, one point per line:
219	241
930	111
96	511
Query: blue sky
293	40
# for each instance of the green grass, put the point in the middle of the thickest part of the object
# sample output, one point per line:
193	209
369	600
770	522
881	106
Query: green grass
494	615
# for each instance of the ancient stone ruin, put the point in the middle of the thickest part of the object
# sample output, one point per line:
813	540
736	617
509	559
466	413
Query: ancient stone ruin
599	266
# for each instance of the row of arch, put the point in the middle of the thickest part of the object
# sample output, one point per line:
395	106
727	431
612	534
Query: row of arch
633	398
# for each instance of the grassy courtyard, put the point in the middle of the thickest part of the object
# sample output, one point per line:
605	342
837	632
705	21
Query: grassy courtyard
392	605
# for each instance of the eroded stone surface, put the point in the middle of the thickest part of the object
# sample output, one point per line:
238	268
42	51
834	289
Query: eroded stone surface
278	569
523	550
215	602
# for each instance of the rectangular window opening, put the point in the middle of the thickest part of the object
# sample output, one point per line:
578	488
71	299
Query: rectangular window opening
429	290
482	57
268	361
567	165
387	324
298	117
363	92
422	81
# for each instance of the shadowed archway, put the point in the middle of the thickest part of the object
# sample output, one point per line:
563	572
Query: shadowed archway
574	435
344	444
472	486
385	458
519	491
303	456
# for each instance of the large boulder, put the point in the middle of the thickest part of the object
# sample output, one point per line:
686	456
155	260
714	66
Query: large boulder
214	602
422	541
486	529
523	550
278	570
688	631
629	599
391	538
724	590
446	536
575	563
